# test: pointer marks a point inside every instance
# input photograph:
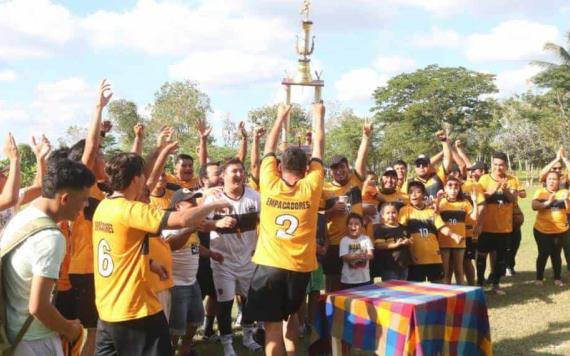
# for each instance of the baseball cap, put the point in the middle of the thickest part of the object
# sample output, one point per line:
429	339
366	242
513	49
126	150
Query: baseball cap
389	172
183	194
336	160
477	165
422	159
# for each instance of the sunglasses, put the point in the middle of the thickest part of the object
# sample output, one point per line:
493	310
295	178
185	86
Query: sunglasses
556	168
418	165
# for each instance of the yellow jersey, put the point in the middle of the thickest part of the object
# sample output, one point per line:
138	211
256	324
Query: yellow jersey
456	215
288	217
161	201
173	183
472	186
398	198
63	283
81	260
336	225
253	184
160	252
498	216
121	230
422	226
552	220
434	182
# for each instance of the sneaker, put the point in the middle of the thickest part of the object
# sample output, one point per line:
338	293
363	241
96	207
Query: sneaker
498	291
228	345
248	340
558	283
509	272
211	337
259	336
538	283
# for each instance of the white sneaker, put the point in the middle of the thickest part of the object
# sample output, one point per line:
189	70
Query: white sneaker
248	341
228	345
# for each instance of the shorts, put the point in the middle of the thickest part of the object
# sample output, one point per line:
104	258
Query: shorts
50	345
470	249
489	241
316	281
332	264
144	336
205	279
275	293
165	299
229	284
431	272
187	308
84	289
354	285
65	304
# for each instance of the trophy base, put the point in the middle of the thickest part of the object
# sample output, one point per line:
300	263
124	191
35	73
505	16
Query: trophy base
312	83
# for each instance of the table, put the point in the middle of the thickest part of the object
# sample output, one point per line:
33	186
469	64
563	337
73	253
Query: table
406	318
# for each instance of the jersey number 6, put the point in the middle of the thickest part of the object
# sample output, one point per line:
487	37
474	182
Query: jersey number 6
104	260
288	230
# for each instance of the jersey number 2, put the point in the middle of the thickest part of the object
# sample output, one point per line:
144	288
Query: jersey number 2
104	260
287	231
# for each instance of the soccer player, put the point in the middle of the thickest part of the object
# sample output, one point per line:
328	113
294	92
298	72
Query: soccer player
286	248
556	166
401	169
340	197
234	236
131	317
501	193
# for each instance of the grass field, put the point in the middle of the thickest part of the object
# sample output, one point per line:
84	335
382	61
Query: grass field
529	320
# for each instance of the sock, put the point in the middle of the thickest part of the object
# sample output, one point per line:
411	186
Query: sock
209	327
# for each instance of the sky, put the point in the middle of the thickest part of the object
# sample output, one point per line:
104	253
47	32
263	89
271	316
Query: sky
54	53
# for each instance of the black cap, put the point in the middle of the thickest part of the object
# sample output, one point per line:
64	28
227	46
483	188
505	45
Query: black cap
183	194
422	159
336	160
478	165
389	172
455	168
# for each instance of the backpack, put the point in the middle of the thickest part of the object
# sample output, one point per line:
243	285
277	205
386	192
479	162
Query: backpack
8	347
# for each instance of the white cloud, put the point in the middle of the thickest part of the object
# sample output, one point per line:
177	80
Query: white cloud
358	84
438	38
516	80
7	75
436	7
10	113
511	40
394	64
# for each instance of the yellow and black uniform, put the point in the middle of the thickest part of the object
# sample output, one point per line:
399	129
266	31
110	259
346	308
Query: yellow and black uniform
161	201
173	183
398	198
124	293
390	263
468	187
336	224
81	260
498	217
551	231
456	215
65	299
159	249
286	247
422	226
434	182
253	184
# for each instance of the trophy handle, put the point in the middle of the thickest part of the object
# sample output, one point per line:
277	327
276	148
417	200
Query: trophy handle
312	46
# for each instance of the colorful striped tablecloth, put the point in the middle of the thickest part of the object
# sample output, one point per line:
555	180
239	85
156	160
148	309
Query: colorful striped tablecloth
406	318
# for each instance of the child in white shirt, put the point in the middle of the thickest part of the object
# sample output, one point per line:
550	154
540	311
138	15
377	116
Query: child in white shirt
356	250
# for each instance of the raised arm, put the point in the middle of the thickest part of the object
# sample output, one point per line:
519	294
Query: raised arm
273	137
193	217
93	135
10	193
461	153
139	138
319	137
164	138
444	138
41	149
159	164
242	152
362	157
548	168
204	131
254	164
435	159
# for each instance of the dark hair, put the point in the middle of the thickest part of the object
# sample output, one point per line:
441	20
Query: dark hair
76	151
460	195
353	215
400	162
386	205
204	169
500	155
60	153
229	162
294	159
123	168
417	184
183	156
63	173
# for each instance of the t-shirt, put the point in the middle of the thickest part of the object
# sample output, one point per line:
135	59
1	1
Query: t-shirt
434	182
422	226
185	260
81	261
552	220
288	217
236	244
336	226
398	198
162	201
456	215
498	216
160	252
387	258
356	271
40	255
121	230
173	183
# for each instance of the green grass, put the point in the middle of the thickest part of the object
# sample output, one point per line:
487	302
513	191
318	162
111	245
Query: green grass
529	320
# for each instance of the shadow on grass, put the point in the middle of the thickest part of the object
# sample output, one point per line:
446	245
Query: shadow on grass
529	345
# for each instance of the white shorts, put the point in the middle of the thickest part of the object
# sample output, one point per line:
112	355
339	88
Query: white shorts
165	299
51	346
228	284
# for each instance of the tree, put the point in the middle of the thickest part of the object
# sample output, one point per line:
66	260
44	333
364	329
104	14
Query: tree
265	116
415	105
124	116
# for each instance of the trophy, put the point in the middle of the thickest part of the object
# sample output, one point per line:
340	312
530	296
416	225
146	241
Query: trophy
304	46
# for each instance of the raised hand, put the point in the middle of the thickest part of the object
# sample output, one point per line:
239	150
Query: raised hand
139	130
283	111
104	94
171	147
458	143
441	135
106	126
242	130
41	148
11	148
259	132
367	128
203	129
164	136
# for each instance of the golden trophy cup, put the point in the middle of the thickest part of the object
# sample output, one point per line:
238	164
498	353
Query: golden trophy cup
304	47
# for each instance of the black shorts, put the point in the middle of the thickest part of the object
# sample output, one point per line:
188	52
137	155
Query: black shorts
354	285
205	279
275	293
332	264
65	304
431	272
144	336
83	286
490	241
470	249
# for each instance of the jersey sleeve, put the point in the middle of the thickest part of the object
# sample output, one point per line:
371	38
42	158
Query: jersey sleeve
268	173
441	173
342	248
438	222
403	217
316	175
145	217
537	194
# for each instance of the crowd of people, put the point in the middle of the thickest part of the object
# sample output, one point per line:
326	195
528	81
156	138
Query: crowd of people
136	258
